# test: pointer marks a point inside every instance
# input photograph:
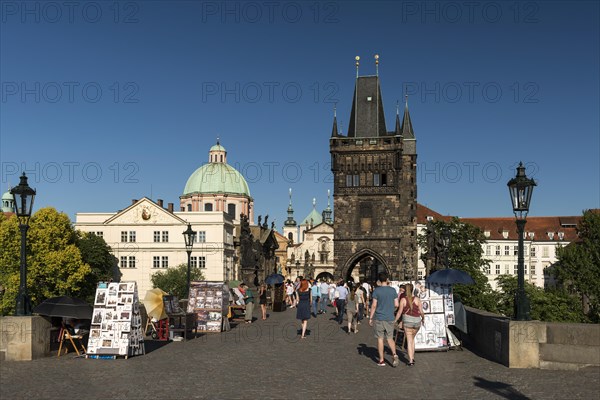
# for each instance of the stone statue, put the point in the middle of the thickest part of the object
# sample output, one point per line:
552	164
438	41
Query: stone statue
266	224
259	219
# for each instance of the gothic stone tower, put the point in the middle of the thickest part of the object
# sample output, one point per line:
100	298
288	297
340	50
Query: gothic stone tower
374	190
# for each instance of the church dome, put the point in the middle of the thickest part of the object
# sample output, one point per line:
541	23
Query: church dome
7	202
216	177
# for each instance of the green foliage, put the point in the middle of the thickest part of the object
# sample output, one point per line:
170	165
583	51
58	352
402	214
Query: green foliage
54	263
96	253
550	305
464	253
174	280
578	266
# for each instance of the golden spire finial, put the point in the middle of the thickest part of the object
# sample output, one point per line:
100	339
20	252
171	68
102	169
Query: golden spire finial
377	64
357	58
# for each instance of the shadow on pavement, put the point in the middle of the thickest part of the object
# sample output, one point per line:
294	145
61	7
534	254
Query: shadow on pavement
500	388
152	345
367	351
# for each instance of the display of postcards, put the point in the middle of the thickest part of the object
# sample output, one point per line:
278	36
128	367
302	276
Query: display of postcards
450	319
113	289
435	291
131	287
175	304
201	325
112	300
209	302
435	323
100	297
125	326
94	333
214	316
107	342
125	316
93	345
98	316
109	334
127	307
449	305
122	287
213	326
109	314
167	305
437	305
209	293
125	335
426	306
421	291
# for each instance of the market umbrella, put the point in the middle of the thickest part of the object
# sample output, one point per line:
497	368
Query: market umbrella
153	301
64	306
274	279
450	276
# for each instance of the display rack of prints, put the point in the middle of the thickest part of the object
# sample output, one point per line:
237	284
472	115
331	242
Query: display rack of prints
116	328
438	307
209	301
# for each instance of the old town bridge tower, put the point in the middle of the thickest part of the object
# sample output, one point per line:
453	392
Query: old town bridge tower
374	190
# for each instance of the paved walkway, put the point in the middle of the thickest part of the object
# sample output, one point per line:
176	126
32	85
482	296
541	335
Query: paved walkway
267	360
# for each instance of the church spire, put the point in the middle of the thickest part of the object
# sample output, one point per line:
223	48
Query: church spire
327	212
407	128
290	211
334	130
398	130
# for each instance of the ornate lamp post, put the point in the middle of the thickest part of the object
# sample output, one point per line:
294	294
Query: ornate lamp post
190	237
23	197
521	188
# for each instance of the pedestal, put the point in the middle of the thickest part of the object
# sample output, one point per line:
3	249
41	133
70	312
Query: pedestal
24	338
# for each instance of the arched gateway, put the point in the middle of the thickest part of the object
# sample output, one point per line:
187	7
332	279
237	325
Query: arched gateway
374	189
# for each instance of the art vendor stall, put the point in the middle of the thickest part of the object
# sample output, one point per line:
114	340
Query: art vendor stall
210	302
438	306
116	328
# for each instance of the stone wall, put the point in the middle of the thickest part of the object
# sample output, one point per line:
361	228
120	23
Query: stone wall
24	338
533	344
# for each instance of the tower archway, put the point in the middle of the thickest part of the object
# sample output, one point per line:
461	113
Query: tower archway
364	265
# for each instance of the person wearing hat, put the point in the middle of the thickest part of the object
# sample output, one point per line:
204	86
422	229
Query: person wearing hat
249	300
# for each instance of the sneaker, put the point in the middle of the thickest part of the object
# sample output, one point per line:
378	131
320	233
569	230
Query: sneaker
381	363
396	361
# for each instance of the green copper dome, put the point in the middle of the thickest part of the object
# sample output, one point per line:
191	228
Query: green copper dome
217	147
216	178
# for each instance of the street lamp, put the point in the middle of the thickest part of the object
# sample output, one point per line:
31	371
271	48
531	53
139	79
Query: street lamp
23	197
521	188
189	236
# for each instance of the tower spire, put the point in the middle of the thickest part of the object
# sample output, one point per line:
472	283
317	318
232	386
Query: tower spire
407	128
398	130
327	212
334	130
290	211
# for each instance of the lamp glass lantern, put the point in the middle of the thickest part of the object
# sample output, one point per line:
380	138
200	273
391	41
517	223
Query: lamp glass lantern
189	236
521	188
23	197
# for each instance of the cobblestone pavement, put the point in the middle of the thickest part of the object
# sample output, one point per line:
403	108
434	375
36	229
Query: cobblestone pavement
267	359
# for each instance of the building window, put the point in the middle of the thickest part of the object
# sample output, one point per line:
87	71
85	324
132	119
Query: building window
348	180
123	236
165	236
488	250
165	261
376	180
533	270
132	236
507	250
193	262
131	261
355	180
545	252
201	262
208	207
532	251
486	269
156	236
231	210
516	269
525	269
100	234
201	237
123	261
506	269
516	250
189	207
524	250
383	179
498	250
156	262
497	269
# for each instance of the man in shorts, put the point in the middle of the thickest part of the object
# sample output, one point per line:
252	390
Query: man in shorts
385	302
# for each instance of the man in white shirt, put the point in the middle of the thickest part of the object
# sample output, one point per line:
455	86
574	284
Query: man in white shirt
324	297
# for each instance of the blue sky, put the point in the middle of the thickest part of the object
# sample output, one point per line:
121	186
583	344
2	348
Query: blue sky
102	102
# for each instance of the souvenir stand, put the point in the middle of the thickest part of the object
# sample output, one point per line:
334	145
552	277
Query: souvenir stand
116	328
210	302
438	307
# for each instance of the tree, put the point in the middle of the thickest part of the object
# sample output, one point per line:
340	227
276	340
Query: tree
578	266
54	263
464	253
174	280
551	305
97	254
